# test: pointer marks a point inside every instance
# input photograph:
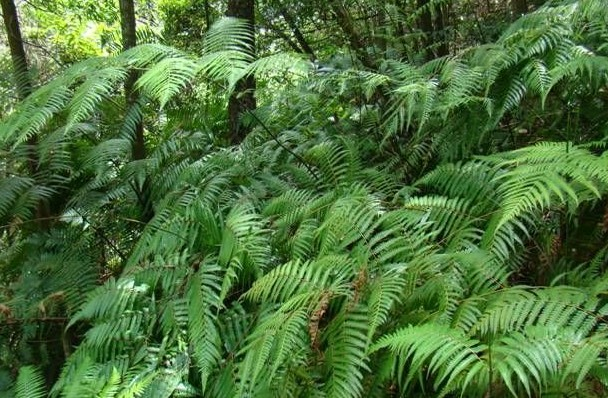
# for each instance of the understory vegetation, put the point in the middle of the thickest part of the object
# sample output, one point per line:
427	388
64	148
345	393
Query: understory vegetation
392	223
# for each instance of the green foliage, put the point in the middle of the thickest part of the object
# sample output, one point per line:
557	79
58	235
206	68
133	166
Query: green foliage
464	255
30	383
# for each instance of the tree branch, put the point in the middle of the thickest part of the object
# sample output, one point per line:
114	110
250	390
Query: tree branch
276	139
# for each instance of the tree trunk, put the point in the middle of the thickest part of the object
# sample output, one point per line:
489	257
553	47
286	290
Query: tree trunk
15	43
242	99
207	15
24	89
129	40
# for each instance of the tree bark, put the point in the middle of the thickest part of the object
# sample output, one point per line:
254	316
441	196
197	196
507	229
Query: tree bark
242	99
129	40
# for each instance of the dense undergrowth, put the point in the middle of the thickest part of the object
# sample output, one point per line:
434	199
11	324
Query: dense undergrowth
420	230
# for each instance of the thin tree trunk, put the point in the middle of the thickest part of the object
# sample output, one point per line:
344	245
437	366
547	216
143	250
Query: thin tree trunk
207	15
279	32
24	89
356	42
243	98
129	40
298	34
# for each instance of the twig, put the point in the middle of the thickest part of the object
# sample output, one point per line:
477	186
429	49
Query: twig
274	137
45	51
103	237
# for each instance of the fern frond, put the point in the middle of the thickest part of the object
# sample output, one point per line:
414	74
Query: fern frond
434	346
229	34
530	360
167	78
203	305
347	338
30	383
109	301
98	86
283	282
559	307
546	175
20	197
452	217
537	78
276	340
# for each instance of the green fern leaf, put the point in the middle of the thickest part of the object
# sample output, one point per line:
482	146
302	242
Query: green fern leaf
30	383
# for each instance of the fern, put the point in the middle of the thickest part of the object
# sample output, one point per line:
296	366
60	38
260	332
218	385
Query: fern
437	345
309	260
348	343
30	383
202	309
